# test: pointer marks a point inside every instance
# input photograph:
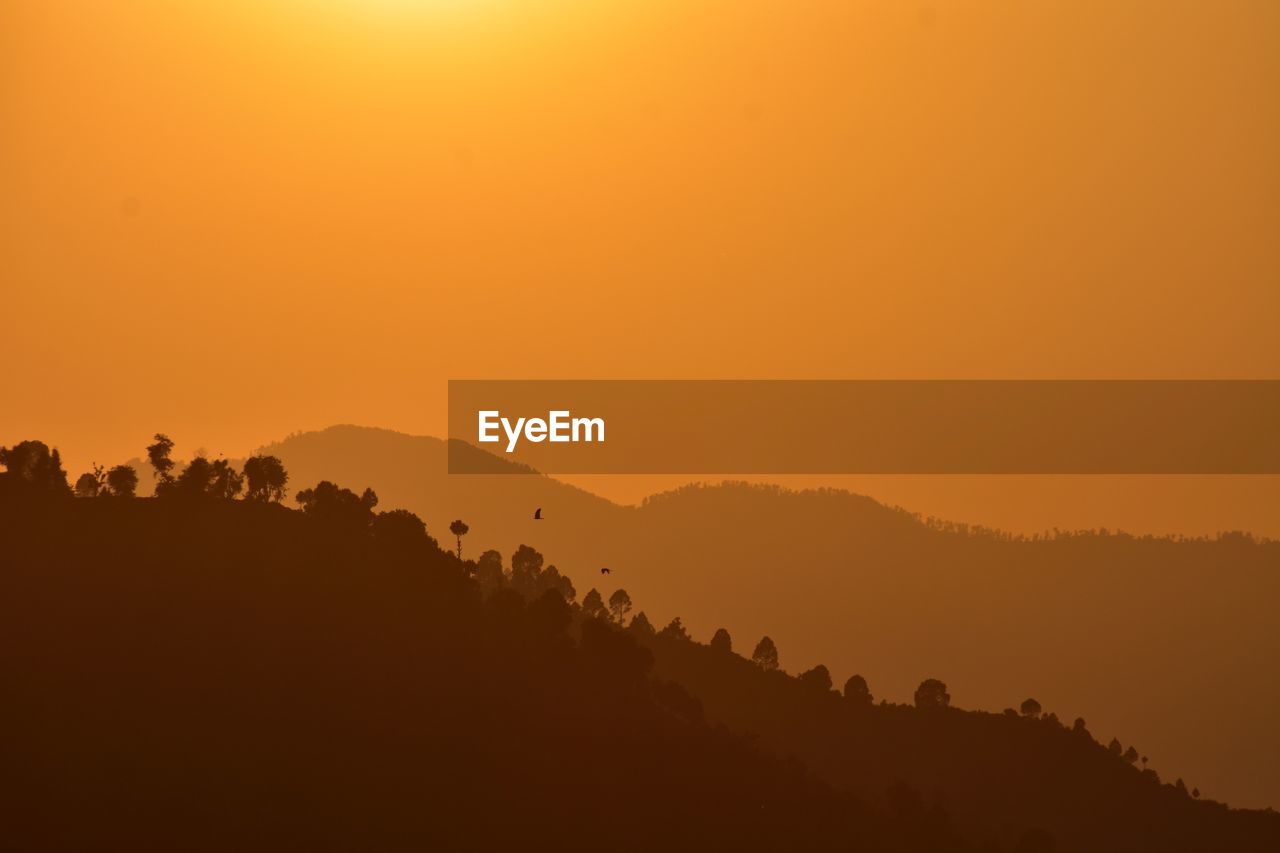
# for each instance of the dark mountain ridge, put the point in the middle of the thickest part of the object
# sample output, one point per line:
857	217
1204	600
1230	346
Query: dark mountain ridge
213	675
203	673
1137	634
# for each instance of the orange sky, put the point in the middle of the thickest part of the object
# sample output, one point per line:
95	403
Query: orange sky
234	220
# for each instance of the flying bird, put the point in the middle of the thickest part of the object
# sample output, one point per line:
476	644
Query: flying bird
604	571
537	514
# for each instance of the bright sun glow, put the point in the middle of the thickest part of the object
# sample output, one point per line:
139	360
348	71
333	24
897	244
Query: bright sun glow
396	18
412	8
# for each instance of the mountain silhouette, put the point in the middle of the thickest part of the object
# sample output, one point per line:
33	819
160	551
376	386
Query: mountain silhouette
1137	634
202	674
195	672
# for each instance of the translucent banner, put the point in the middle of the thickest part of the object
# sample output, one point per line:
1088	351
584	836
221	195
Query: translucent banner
864	427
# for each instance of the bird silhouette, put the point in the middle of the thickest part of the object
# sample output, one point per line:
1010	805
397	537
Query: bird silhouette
604	571
537	514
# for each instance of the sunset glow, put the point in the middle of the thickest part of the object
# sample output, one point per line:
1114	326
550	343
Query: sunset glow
264	264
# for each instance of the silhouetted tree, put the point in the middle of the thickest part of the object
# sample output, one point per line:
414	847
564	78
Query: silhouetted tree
489	572
856	690
550	614
122	480
593	605
225	482
329	503
675	630
766	654
195	479
34	464
266	478
158	456
399	528
1131	755
932	694
459	529
818	678
721	641
86	486
1030	708
1181	787
619	605
1114	747
1195	792
614	654
551	579
91	485
1078	727
641	625
526	567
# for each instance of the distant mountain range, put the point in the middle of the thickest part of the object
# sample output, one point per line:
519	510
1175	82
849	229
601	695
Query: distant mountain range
1166	643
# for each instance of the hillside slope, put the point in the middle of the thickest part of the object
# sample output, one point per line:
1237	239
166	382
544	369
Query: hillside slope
221	676
1006	778
197	673
1125	632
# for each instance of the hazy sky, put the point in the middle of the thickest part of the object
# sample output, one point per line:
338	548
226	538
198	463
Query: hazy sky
231	221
